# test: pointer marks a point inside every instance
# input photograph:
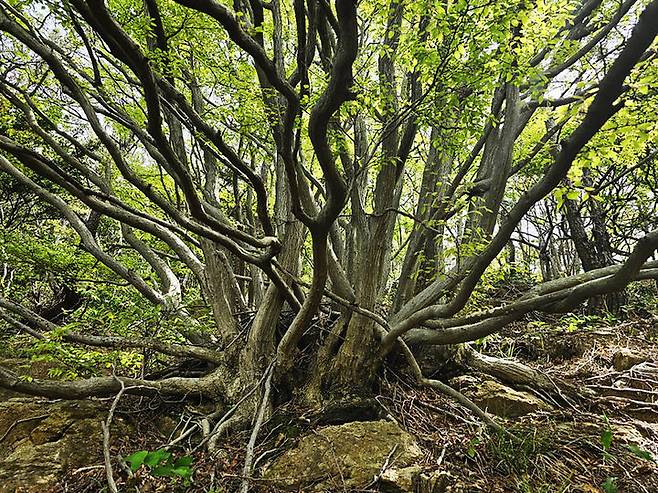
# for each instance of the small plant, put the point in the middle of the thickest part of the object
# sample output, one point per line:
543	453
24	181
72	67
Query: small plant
517	455
606	439
161	463
610	485
471	449
573	323
641	453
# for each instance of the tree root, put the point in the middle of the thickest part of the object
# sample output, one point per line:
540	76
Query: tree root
105	425
515	373
262	408
231	421
446	389
223	428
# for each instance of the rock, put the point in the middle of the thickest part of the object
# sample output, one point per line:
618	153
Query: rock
504	401
399	479
42	440
625	359
436	482
634	432
349	456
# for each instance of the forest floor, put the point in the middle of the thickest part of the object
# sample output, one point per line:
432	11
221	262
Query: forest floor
606	442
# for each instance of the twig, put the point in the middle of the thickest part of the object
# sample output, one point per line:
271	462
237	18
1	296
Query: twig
246	471
112	486
266	453
389	414
441	411
439	461
184	435
217	429
87	468
647	405
385	466
623	389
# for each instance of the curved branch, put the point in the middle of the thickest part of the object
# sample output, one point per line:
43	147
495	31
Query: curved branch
86	237
232	26
548	298
603	107
336	93
171	349
100	386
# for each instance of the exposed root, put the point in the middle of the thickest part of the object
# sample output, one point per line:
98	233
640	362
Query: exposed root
223	428
445	389
516	373
463	400
248	462
111	484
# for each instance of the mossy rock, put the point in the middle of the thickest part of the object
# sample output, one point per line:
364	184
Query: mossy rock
42	440
500	399
349	457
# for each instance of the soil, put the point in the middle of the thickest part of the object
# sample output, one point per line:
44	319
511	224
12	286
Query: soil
606	440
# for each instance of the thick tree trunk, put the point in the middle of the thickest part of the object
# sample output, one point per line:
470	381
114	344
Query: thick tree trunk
220	293
349	367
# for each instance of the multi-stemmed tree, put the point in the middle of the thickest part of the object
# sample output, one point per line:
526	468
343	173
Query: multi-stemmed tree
364	163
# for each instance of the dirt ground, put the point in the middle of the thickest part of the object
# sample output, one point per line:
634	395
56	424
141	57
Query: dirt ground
605	439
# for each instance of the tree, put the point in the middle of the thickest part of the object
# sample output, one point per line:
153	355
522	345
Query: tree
363	163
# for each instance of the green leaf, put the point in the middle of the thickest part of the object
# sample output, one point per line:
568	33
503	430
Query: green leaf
157	457
610	485
183	471
641	453
183	461
168	471
162	471
136	460
606	439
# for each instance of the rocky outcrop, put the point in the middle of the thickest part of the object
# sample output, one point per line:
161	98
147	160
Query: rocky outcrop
39	441
352	456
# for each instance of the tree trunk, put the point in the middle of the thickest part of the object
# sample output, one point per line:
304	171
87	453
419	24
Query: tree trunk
594	253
